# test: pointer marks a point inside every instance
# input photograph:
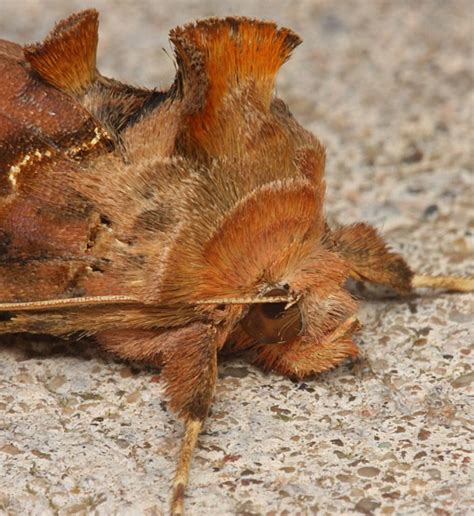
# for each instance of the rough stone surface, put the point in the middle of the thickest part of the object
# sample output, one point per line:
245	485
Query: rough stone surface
388	87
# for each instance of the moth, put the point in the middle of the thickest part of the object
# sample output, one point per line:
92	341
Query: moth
174	225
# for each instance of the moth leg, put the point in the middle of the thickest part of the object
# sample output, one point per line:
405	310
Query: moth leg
190	375
370	259
445	282
188	358
181	477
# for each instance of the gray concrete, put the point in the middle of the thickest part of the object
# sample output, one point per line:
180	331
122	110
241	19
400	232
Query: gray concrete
387	86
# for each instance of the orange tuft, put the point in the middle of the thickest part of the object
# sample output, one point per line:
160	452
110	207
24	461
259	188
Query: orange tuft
227	55
67	57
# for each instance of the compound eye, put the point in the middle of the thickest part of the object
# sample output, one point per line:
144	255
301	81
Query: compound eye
270	323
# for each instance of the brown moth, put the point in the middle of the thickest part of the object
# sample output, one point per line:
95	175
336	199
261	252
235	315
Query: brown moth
172	225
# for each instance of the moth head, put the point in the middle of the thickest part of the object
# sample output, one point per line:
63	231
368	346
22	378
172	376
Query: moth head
302	333
265	271
302	324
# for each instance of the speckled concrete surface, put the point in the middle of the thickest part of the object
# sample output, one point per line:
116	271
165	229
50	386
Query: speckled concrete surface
388	87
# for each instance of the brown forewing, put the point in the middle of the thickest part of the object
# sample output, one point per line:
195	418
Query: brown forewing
45	229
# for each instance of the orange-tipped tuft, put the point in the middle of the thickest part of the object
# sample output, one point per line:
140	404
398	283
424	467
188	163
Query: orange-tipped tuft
67	57
219	56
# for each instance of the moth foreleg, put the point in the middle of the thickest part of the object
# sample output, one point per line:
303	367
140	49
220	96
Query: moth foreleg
370	259
453	283
190	374
192	430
